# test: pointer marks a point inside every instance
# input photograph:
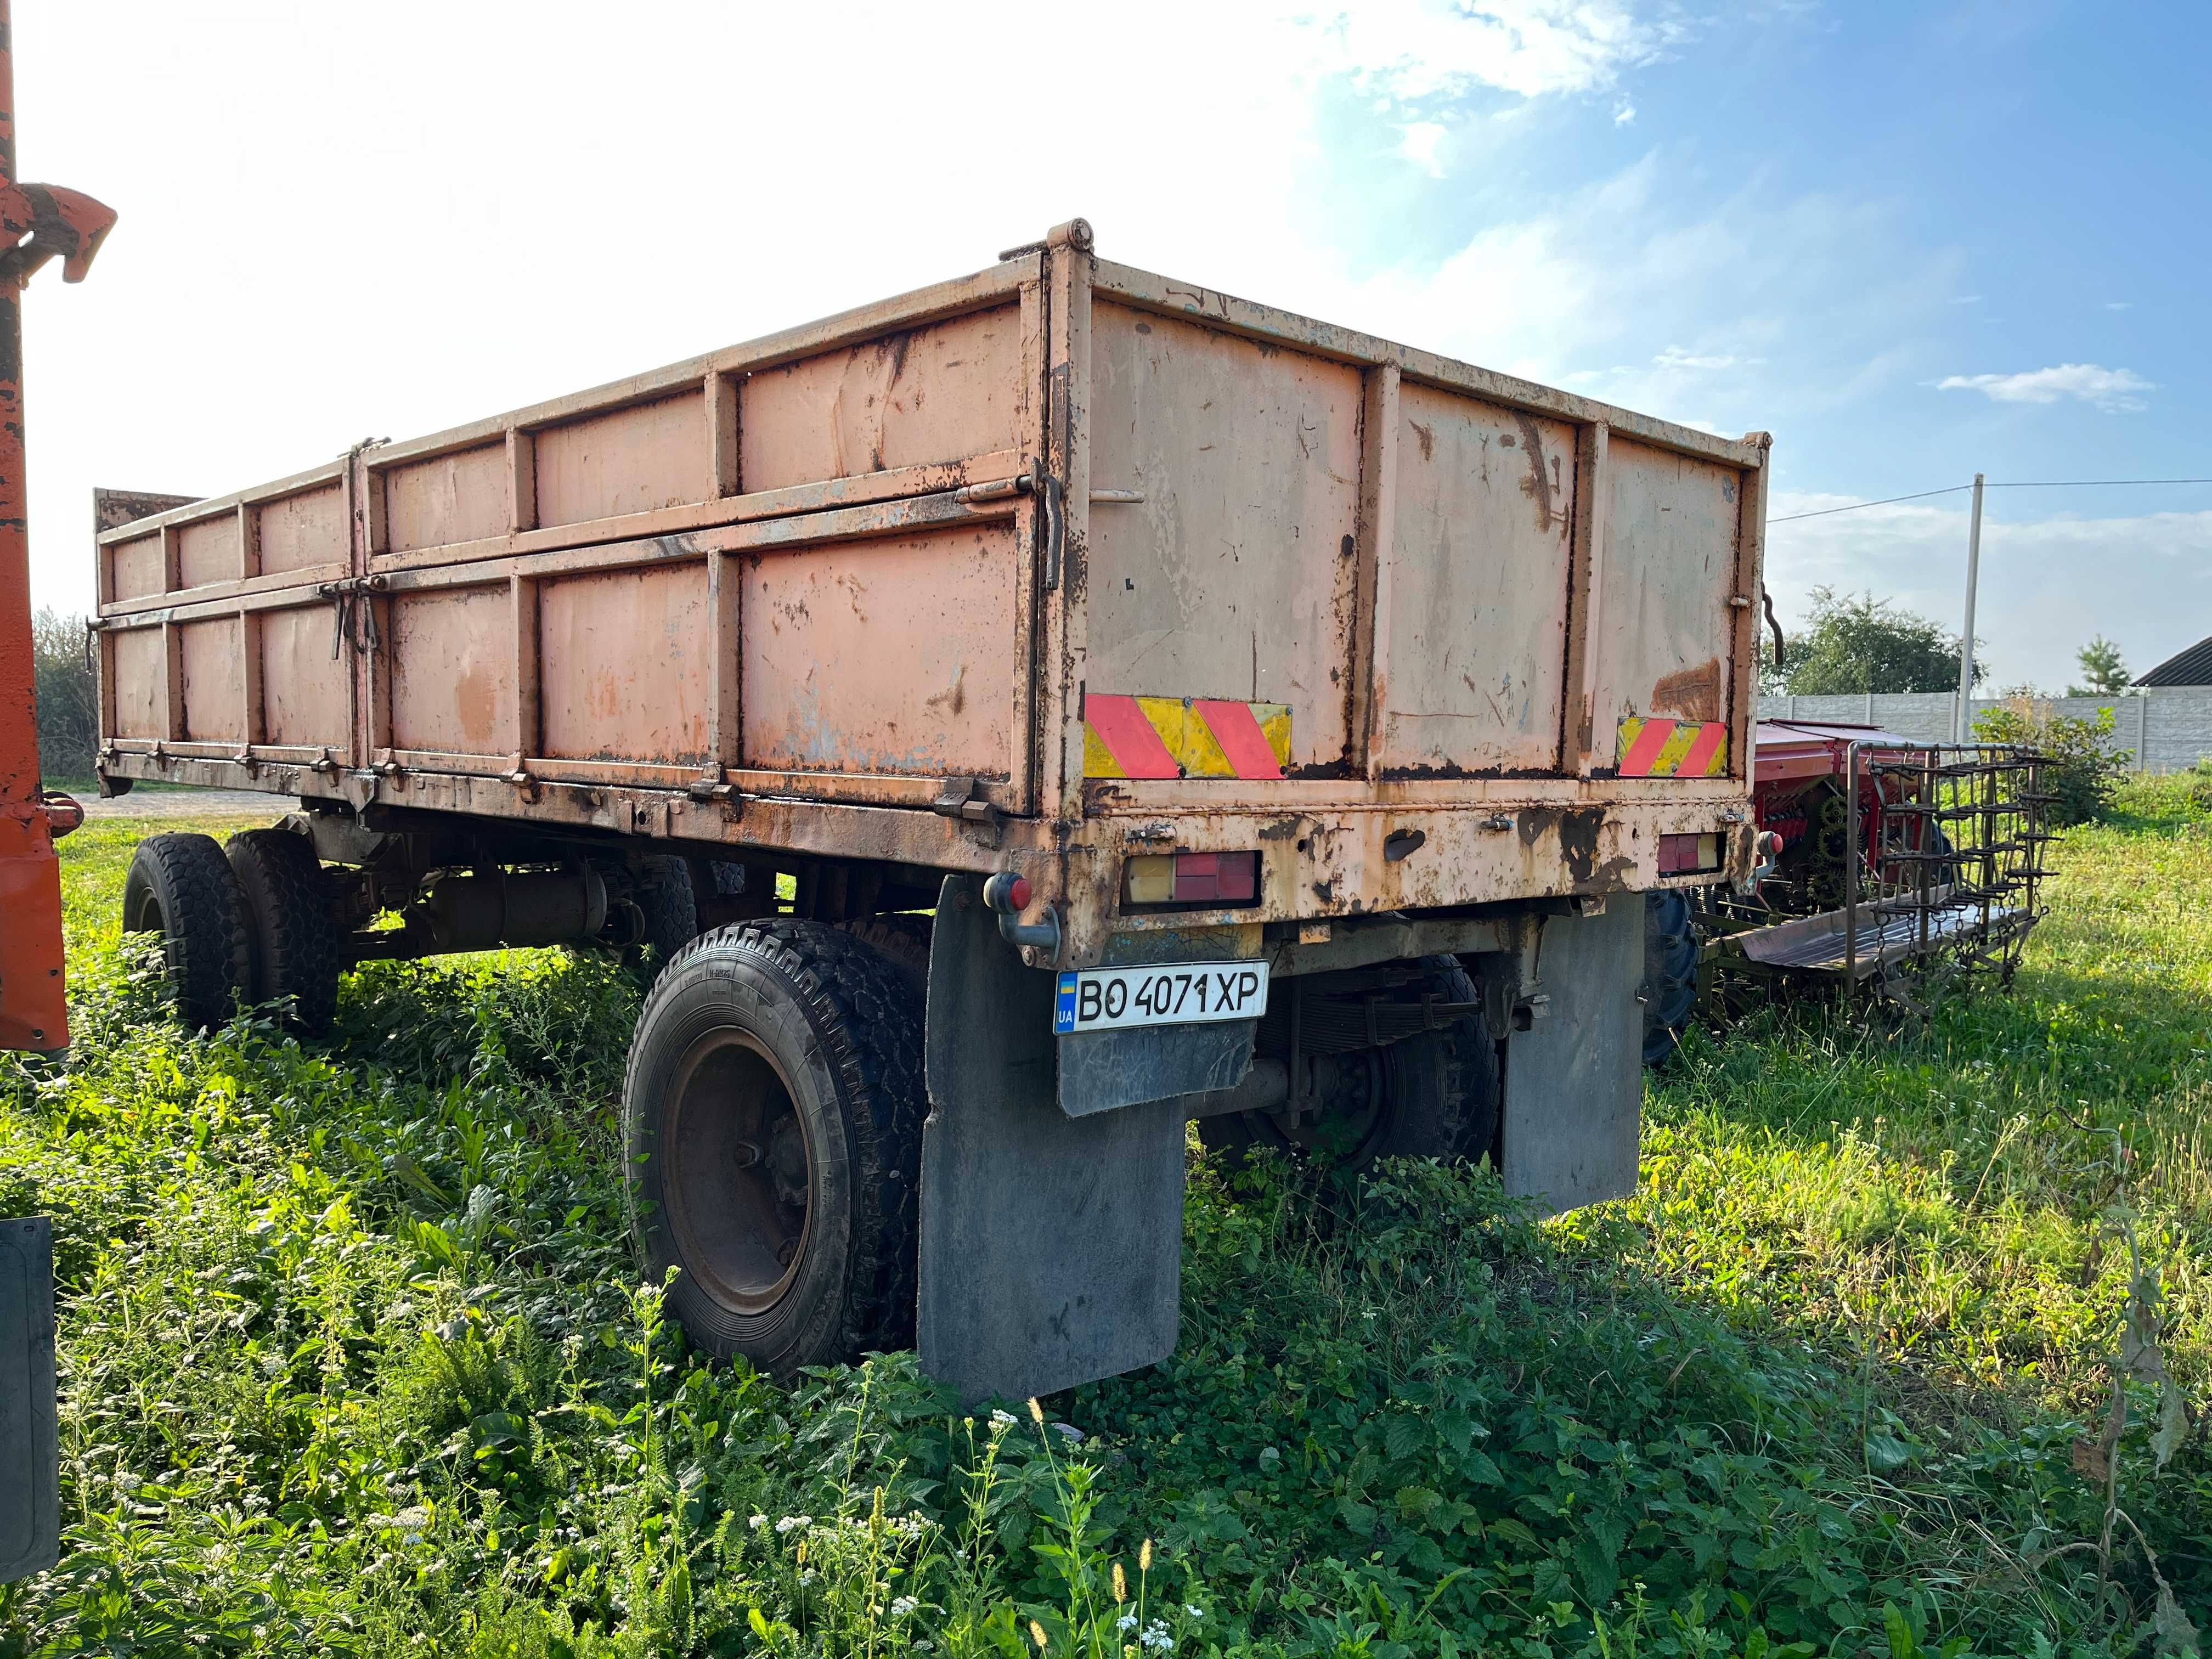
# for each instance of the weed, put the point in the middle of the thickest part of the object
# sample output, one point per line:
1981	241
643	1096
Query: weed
356	1362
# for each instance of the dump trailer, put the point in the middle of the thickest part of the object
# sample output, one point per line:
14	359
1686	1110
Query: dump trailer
1017	719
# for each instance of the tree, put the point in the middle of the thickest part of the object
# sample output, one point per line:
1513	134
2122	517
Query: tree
1859	644
69	699
2102	667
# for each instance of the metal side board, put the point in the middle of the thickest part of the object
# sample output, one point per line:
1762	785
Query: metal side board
1051	1245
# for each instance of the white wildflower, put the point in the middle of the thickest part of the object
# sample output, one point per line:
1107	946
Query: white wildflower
904	1606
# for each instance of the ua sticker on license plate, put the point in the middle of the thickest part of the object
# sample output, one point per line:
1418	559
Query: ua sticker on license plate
1169	993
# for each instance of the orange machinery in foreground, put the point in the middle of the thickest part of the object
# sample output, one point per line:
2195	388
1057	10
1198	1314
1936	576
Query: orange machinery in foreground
37	222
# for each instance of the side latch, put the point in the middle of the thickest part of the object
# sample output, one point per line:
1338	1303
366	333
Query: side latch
963	799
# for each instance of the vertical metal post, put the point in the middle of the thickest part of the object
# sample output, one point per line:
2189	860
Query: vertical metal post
1966	640
33	1014
1851	870
36	222
19	714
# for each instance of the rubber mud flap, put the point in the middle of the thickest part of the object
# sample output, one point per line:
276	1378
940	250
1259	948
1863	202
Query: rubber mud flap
1051	1246
30	1458
1104	1071
1574	1081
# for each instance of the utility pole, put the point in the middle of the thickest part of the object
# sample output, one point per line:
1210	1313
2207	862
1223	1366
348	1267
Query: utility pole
1966	641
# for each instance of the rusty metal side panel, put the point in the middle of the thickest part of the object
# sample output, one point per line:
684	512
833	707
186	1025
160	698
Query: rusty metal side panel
208	552
298	532
624	669
1477	588
1666	629
303	687
1232	577
935	393
897	654
631	460
213	653
136	567
448	498
137	674
452	662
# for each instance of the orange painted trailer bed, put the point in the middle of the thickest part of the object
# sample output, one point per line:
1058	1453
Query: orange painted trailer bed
1215	632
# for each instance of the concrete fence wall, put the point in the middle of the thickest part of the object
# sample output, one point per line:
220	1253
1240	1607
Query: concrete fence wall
2167	729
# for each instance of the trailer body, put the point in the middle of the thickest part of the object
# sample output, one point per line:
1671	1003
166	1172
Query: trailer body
1236	636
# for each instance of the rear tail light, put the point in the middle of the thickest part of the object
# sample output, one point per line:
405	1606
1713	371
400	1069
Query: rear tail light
1685	855
1191	878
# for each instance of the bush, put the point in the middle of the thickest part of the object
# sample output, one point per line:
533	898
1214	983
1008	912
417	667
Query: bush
69	698
2084	769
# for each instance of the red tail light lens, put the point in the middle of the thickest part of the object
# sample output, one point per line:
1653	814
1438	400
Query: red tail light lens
1195	879
1689	855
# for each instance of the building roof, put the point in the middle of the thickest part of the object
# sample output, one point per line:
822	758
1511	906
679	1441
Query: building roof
2189	668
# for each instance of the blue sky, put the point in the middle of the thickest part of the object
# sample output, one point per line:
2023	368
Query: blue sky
1806	217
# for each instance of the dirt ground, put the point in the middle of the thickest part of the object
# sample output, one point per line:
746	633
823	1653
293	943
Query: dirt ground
181	803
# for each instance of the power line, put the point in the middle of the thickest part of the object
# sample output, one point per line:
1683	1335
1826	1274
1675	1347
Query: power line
2025	484
1947	489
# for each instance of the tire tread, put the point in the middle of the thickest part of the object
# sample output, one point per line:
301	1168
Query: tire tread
205	938
293	930
865	1013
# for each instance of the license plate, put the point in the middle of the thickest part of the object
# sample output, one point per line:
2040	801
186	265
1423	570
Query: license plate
1169	993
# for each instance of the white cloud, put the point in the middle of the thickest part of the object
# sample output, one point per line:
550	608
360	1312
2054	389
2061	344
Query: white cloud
1420	48
1651	289
1417	142
2113	390
1675	357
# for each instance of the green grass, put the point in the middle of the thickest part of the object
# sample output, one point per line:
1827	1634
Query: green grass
355	1360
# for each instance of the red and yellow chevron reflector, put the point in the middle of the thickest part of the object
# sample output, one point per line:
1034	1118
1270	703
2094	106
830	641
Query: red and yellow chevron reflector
1183	737
1655	748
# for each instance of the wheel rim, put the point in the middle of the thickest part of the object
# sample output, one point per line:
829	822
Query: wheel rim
1348	1139
738	1172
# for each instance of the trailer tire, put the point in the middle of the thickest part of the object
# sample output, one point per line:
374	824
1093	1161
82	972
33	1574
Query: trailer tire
904	940
1440	1096
663	894
772	1117
1670	972
292	931
182	887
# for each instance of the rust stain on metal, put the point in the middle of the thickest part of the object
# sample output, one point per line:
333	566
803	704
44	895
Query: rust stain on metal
1538	484
816	566
1694	693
